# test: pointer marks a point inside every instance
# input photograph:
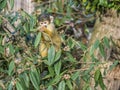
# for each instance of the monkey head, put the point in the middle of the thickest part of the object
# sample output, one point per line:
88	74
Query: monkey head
44	20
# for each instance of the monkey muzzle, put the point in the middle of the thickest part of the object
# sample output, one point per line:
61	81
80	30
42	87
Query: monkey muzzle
43	28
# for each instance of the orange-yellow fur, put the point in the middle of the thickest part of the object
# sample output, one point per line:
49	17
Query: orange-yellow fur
49	37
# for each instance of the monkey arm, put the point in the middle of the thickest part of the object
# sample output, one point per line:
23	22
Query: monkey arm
49	32
43	48
57	42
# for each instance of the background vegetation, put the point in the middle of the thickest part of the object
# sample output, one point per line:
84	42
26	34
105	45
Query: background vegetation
21	67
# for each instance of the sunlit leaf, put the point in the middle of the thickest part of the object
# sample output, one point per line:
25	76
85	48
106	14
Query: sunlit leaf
94	47
99	79
3	3
75	75
18	86
102	85
69	11
1	49
57	56
71	43
55	80
11	49
97	75
11	67
86	87
50	88
70	58
37	40
35	78
51	55
101	48
51	70
103	2
24	80
10	87
95	2
61	85
84	1
32	23
82	46
106	42
11	3
69	84
57	22
88	6
57	67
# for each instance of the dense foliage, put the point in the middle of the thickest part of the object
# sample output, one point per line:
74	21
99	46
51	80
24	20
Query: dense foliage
22	68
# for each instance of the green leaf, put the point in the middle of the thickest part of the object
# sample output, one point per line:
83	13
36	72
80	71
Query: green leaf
93	9
11	68
3	3
46	62
50	88
82	46
98	79
89	70
26	27
71	43
32	22
84	1
114	65
57	21
69	84
11	49
86	87
60	6
106	42
22	83
103	2
55	80
37	40
10	87
102	85
1	49
11	3
61	85
57	56
97	75
35	78
69	11
18	86
95	2
88	6
57	67
94	46
75	75
24	77
70	57
51	71
101	48
51	55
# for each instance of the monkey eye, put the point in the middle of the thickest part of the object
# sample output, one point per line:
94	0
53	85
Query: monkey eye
41	23
45	22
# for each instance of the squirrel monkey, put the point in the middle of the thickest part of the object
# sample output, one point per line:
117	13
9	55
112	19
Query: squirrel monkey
49	34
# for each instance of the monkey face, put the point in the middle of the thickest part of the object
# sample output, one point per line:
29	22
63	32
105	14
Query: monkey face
44	23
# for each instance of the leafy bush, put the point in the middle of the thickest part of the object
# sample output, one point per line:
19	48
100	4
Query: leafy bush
22	68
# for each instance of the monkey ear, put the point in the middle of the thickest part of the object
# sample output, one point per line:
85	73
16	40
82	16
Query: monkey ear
51	19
